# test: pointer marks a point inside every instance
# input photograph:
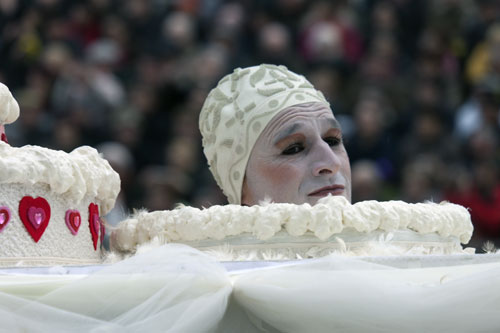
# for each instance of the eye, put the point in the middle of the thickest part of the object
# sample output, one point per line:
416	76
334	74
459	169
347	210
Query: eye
333	141
293	149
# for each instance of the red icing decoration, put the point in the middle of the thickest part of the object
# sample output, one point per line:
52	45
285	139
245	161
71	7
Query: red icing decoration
35	214
94	223
73	220
3	137
4	217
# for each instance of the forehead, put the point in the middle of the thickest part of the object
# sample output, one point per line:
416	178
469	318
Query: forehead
294	116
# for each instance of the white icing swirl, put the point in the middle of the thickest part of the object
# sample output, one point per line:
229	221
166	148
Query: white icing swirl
300	217
328	216
389	217
9	109
401	209
268	221
162	225
77	174
216	218
452	215
363	216
124	239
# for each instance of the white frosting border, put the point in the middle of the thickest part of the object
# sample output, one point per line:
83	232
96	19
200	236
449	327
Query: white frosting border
75	175
328	217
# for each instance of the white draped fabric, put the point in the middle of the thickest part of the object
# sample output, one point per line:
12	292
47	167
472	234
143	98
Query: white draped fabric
175	288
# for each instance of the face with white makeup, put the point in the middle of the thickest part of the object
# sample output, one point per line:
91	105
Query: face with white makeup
298	158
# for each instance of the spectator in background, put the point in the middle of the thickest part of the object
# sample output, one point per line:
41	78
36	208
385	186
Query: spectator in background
485	58
162	187
481	110
482	197
366	181
428	135
370	139
274	45
121	160
421	179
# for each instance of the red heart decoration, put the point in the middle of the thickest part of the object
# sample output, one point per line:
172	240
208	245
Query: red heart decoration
94	223
4	217
73	220
3	137
35	214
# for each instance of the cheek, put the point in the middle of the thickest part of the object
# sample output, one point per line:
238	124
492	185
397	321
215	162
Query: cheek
345	167
279	176
345	170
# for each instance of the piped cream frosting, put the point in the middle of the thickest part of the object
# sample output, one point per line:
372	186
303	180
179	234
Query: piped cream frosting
331	216
83	172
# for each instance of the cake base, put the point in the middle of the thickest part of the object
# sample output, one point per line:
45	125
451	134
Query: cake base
282	246
287	231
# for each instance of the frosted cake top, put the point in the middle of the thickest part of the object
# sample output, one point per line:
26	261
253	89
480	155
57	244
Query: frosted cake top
77	174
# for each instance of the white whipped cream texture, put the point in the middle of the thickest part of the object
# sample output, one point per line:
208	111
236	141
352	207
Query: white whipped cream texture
77	174
9	109
330	216
363	216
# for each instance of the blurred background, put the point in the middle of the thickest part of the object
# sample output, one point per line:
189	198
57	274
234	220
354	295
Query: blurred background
415	85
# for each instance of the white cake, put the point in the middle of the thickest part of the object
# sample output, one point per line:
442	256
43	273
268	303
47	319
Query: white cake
287	231
51	201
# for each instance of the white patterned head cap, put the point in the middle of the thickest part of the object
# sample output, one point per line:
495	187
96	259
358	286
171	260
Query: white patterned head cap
237	111
9	109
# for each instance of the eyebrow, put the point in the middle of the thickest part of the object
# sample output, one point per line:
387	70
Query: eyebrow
294	127
286	132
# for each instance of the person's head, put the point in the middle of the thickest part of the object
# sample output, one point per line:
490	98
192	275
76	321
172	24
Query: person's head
366	181
268	134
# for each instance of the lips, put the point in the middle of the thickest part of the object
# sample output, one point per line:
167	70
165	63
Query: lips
324	191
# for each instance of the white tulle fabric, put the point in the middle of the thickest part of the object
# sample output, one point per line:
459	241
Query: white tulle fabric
172	289
175	288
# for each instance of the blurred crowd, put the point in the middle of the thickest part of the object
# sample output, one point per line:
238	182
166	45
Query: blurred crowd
415	85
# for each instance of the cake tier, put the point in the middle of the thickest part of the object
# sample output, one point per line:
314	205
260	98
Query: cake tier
58	244
287	231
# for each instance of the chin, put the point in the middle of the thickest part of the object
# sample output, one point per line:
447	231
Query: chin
312	200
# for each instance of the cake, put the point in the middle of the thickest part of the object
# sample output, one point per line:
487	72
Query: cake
51	201
277	231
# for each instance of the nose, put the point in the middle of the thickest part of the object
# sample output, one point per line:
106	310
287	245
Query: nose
325	160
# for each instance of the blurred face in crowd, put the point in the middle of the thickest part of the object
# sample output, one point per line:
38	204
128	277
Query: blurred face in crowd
298	158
